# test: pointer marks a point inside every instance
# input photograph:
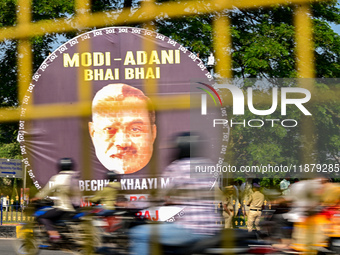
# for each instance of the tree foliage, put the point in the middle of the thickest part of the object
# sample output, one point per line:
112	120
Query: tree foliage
263	46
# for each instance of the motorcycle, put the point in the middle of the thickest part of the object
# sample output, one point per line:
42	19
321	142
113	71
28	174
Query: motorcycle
111	228
114	229
322	226
228	241
327	221
90	231
75	229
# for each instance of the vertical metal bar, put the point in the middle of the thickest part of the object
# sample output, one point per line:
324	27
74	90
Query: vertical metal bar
151	89
1	211
82	8
306	71
11	208
24	191
304	42
24	49
24	58
7	205
84	98
222	46
150	85
84	89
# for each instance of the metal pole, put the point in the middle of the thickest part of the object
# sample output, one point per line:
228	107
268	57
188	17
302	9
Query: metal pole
1	211
24	191
24	179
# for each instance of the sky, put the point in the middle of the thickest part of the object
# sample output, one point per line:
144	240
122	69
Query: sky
336	28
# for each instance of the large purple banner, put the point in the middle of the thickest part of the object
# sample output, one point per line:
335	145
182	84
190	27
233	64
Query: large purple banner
124	133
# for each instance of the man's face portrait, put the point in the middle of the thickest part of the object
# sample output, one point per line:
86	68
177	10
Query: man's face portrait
123	128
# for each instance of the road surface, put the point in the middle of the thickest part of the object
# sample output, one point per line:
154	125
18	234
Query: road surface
7	248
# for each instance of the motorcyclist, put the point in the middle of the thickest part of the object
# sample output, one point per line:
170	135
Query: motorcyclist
306	198
64	192
197	221
107	197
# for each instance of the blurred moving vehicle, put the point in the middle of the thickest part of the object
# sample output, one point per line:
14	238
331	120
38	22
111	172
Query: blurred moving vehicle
74	228
332	230
113	230
86	230
322	230
318	233
229	241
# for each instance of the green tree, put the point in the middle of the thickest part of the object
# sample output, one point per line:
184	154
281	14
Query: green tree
263	47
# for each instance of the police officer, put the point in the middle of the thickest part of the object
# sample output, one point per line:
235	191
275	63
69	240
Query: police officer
255	204
228	207
108	195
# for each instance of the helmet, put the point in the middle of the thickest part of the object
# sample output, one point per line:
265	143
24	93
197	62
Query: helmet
111	175
188	144
65	164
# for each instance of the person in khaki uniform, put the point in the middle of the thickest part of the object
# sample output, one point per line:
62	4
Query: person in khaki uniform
255	204
228	207
108	195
